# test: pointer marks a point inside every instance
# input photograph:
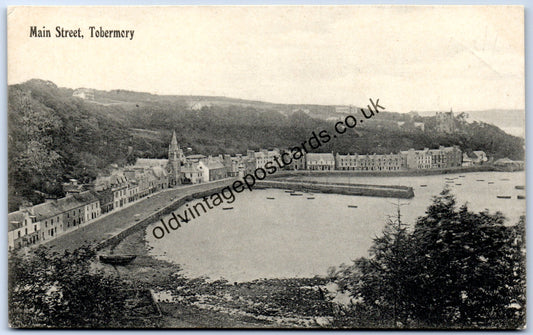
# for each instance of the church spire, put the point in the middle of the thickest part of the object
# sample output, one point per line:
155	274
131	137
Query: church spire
174	141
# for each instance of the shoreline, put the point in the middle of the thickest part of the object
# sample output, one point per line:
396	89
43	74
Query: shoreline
188	302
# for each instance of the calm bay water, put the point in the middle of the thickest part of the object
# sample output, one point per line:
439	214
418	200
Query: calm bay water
292	236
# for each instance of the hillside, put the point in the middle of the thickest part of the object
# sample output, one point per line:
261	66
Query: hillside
54	136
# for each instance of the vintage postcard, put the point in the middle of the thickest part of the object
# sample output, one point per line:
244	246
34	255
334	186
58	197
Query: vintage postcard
298	167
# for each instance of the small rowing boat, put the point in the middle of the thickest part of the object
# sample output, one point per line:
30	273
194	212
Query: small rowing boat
117	259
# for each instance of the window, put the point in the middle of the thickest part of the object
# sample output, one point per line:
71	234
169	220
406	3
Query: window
46	223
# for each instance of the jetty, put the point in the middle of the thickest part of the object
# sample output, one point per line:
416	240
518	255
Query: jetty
384	191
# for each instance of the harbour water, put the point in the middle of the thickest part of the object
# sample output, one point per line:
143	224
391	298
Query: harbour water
293	236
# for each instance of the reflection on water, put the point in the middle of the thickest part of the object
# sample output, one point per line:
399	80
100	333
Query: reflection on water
292	236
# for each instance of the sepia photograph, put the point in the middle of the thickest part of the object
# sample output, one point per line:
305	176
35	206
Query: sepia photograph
266	167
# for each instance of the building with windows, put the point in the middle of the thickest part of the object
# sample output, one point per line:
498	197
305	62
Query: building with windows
445	122
191	174
417	159
320	161
374	162
263	156
23	229
212	168
446	157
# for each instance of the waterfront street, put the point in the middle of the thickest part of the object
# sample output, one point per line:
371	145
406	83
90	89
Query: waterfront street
118	220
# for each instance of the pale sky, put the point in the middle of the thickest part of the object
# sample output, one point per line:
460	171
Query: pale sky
410	57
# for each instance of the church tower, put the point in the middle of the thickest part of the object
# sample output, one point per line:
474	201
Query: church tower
175	161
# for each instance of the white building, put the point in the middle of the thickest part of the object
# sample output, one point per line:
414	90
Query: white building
320	161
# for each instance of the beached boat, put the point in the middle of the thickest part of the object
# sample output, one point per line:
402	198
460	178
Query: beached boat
117	259
227	208
505	179
481	180
458	184
520	196
297	194
352	206
503	196
424	185
289	191
310	198
491	182
270	198
520	187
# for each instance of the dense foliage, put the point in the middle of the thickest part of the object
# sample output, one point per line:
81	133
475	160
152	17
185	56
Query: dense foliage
54	136
456	269
52	290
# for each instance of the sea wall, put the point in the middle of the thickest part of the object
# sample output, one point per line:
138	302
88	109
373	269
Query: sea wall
145	222
386	191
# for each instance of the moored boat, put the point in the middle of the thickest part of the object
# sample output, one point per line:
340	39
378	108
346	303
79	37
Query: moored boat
423	185
352	206
297	194
503	196
520	196
520	187
271	198
117	259
227	208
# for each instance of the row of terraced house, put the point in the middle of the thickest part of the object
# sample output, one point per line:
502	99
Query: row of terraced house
441	158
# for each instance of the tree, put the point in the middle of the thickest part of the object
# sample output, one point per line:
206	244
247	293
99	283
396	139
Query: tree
52	290
379	282
464	268
456	269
